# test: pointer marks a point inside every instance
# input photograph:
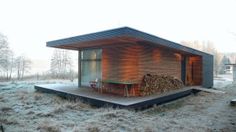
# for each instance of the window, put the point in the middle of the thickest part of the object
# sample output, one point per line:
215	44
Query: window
90	66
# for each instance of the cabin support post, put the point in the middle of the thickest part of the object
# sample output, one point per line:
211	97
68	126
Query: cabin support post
79	68
183	69
234	72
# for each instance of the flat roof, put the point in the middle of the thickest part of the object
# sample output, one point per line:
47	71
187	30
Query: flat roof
123	35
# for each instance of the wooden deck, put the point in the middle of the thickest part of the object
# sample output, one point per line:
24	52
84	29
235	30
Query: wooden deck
102	99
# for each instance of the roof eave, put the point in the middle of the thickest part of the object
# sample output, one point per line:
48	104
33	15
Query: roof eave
124	31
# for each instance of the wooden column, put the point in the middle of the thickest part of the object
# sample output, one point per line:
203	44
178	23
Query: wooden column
234	72
79	68
183	69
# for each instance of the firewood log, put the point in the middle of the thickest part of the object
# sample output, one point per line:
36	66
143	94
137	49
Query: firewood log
156	84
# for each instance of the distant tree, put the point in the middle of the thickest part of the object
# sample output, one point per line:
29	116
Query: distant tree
18	67
232	57
55	65
66	62
61	63
9	64
224	60
6	58
217	60
3	42
26	66
23	65
4	48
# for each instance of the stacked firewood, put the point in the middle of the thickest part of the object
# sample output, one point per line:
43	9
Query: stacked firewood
153	84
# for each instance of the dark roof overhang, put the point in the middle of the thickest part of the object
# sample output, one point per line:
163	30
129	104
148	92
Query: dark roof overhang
119	36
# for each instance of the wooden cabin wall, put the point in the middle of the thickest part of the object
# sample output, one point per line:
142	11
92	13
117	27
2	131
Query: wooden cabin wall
120	63
132	62
194	71
155	60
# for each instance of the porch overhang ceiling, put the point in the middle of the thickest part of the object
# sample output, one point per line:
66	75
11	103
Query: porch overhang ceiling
119	36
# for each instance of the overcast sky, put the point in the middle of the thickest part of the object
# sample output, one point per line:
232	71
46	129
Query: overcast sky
28	24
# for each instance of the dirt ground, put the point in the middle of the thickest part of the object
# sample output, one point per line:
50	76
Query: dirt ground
24	109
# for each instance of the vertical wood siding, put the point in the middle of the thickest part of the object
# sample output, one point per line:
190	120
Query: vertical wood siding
194	71
159	61
132	62
120	63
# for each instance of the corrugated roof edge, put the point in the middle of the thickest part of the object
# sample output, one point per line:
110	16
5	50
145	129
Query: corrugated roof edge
124	31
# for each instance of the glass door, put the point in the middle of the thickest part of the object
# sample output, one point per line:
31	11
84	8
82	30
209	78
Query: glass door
90	66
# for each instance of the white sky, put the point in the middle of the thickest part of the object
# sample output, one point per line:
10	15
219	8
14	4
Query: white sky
28	24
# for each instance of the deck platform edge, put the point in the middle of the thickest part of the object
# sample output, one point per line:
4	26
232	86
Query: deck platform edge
100	103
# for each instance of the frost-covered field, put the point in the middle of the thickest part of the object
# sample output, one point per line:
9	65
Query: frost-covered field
24	109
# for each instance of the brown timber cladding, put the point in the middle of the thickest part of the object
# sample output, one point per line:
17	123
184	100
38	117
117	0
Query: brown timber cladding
194	71
132	61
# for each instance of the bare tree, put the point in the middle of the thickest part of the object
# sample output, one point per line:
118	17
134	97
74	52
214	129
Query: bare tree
6	58
61	63
3	42
26	66
3	52
18	67
23	65
8	63
225	60
56	63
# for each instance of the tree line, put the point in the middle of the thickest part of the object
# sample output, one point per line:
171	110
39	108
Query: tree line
16	67
12	66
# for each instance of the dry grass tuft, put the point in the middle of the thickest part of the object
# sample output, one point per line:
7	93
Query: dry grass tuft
38	96
76	105
8	122
72	106
22	95
111	115
2	100
114	113
58	110
76	129
6	109
58	100
157	109
149	129
47	126
30	113
93	129
45	114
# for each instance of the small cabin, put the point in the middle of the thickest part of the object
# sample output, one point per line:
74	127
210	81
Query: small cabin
119	58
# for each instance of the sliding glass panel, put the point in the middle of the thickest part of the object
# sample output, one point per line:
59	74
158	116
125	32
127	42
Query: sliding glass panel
90	66
91	54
